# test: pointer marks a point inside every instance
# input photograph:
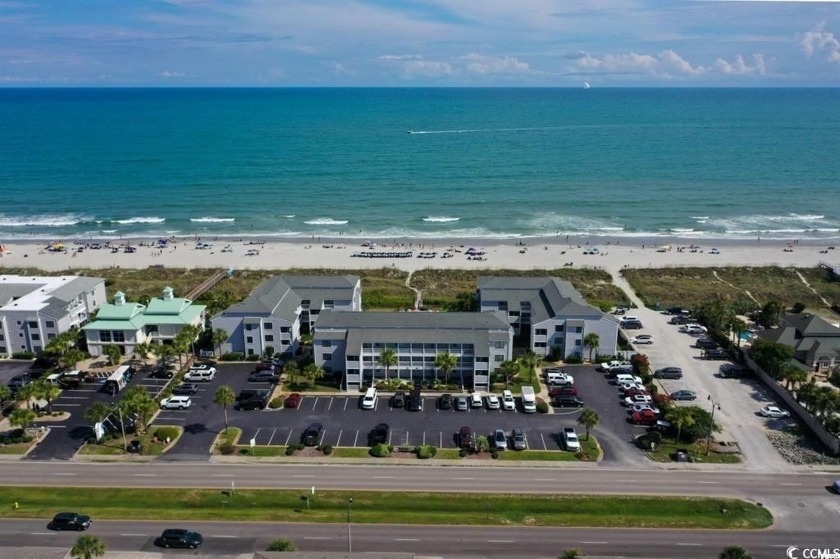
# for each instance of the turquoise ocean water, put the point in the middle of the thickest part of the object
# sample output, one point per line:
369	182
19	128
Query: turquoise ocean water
388	163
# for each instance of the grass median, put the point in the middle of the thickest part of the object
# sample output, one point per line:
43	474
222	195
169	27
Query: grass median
370	507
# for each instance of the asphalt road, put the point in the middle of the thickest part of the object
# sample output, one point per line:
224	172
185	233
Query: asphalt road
224	538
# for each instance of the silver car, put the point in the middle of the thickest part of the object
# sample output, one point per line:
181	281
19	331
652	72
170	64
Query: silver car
518	439
499	439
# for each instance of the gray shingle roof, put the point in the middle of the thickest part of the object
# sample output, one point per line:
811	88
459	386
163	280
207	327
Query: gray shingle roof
281	295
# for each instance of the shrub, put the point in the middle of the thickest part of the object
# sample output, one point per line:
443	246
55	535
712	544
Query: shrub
573	359
604	358
494	455
327	449
663	400
233	356
23	355
463	453
163	433
380	450
253	357
277	402
281	545
227	449
641	364
542	406
290	450
426	451
797	308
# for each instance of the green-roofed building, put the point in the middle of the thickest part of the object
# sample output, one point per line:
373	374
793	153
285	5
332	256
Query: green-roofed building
127	324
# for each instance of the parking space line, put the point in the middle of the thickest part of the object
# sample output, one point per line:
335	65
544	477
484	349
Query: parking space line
406	437
323	436
315	403
289	437
356	439
74	398
257	433
338	442
67	405
406	539
545	446
271	438
346	401
329	406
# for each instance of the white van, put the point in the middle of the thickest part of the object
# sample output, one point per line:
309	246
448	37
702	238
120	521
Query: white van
529	400
369	399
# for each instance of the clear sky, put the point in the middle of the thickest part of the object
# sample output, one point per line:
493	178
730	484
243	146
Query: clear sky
558	43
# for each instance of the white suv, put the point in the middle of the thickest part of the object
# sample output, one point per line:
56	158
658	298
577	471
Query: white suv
175	403
508	402
197	375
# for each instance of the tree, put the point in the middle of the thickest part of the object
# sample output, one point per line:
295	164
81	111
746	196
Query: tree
5	394
446	361
281	545
218	337
681	417
88	547
530	360
137	400
47	391
509	370
72	356
181	345
113	353
97	411
795	377
591	341
143	350
771	313
22	418
770	355
26	393
225	396
313	373
736	327
589	418
572	553
269	352
387	358
734	552
291	370
191	332
165	352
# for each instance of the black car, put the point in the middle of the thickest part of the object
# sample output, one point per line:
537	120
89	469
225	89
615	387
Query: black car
632	325
176	537
415	400
312	434
398	401
254	403
715	354
668	373
186	389
445	402
681	319
70	521
247	394
706	343
19	382
161	373
379	434
568	402
734	371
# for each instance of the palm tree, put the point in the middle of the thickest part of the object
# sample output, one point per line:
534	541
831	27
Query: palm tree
112	352
446	361
164	351
218	337
681	417
291	370
191	333
591	341
26	393
97	411
142	350
72	356
509	370
225	396
737	326
795	378
387	358
22	418
181	345
48	392
313	373
5	394
530	360
589	418
88	547
138	400
734	552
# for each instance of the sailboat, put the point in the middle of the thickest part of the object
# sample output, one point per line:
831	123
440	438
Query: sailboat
586	85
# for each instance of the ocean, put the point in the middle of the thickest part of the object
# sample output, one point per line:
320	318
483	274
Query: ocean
420	163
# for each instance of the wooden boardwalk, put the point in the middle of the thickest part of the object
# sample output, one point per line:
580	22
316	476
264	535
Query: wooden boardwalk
206	285
835	269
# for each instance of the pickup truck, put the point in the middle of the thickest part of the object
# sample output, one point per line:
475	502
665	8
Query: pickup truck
570	439
610	365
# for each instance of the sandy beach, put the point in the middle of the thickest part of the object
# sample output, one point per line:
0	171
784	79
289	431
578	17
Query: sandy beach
610	255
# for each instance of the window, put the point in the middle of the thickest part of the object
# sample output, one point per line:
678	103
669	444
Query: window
50	336
2	338
104	336
328	357
36	337
250	352
269	338
326	343
578	329
119	337
578	342
249	326
539	344
499	358
481	360
285	329
2	349
32	325
249	340
354	358
329	303
304	303
36	348
503	306
49	324
500	345
268	325
540	332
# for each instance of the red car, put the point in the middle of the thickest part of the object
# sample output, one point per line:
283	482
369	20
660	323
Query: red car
644	417
264	367
636	392
292	400
562	391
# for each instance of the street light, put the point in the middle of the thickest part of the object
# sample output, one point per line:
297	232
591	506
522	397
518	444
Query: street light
349	534
715	406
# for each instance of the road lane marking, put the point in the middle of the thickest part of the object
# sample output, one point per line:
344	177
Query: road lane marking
329	406
696	544
440	444
406	539
63	474
288	437
594	543
545	479
627	480
501	541
222	475
383	477
301	475
42	533
791	484
545	446
707	482
67	405
256	434
346	401
222	536
144	475
51	426
463	478
73	398
135	535
316	538
356	438
424	438
315	403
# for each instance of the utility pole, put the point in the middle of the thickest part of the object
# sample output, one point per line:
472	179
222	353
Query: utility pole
715	406
349	533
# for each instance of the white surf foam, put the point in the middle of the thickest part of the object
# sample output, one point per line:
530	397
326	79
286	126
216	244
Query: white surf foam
46	221
212	219
133	220
326	221
440	219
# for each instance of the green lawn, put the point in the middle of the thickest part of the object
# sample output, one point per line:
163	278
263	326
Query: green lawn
590	452
385	507
115	447
346	452
665	450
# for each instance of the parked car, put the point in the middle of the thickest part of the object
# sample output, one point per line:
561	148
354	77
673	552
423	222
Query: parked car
668	373
264	366
730	370
625	386
292	400
681	319
632	324
684	395
693	328
715	354
176	537
508	402
415	400
445	402
568	402
74	379
476	401
643	407
774	411
636	391
644	417
518	439
19	381
499	439
263	376
312	434
609	365
637	399
706	343
203	375
186	389
562	391
492	402
462	403
677	310
398	400
161	373
70	521
256	402
465	438
645	339
380	434
175	403
202	367
570	439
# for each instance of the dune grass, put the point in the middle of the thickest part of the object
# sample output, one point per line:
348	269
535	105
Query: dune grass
371	507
